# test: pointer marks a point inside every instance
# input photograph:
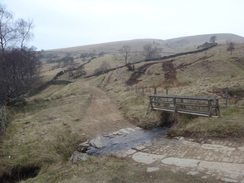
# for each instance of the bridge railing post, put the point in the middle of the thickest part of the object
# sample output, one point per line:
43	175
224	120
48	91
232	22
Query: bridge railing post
217	112
209	108
194	105
175	107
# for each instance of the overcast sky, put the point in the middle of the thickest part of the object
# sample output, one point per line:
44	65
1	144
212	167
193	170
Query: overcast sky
68	23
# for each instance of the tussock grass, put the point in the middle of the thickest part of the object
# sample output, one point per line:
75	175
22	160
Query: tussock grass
197	75
229	125
110	170
47	130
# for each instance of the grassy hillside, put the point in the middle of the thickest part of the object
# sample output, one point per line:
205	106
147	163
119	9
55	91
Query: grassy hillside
194	41
52	59
201	74
44	133
167	45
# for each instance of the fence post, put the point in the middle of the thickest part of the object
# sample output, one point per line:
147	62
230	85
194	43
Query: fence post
217	107
155	91
167	91
209	108
143	92
226	97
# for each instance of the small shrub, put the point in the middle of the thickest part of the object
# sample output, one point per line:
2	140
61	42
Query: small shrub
130	67
17	102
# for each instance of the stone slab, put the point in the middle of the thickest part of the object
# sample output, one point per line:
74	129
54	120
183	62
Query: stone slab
146	158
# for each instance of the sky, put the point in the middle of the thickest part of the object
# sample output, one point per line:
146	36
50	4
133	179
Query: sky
69	23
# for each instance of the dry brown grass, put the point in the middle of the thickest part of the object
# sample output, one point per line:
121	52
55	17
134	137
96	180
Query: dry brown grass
49	122
229	125
203	72
46	131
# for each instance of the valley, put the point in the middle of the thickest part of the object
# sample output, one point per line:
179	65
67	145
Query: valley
57	119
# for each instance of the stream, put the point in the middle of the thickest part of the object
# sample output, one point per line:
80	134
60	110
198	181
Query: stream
123	140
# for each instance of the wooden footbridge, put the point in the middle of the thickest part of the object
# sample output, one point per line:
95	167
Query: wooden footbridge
201	106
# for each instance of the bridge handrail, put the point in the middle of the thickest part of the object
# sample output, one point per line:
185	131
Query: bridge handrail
174	105
185	97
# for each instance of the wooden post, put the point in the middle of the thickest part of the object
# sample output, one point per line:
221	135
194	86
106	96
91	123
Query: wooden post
226	97
155	91
142	92
217	107
209	108
167	91
150	105
182	106
175	107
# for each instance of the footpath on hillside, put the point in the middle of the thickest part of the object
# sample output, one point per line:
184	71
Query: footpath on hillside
219	159
102	115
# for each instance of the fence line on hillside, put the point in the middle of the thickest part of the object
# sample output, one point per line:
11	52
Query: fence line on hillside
2	119
155	59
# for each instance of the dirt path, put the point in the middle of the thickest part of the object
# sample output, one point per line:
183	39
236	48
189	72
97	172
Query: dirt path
218	159
102	116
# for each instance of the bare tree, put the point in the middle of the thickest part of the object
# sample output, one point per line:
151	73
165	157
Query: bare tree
21	70
13	33
19	65
212	39
150	51
230	47
124	54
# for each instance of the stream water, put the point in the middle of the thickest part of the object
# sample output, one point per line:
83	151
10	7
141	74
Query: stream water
123	140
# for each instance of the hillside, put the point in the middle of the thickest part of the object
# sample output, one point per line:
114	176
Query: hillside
41	136
105	52
202	74
194	41
168	45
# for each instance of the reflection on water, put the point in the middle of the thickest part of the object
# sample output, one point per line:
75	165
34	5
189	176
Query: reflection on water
118	143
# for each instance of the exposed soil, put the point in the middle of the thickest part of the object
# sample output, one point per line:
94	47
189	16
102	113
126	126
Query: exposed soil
138	73
102	115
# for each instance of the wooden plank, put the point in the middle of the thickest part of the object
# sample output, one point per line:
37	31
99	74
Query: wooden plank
164	109
185	97
193	104
192	113
163	102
